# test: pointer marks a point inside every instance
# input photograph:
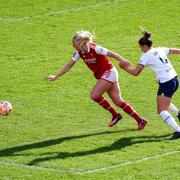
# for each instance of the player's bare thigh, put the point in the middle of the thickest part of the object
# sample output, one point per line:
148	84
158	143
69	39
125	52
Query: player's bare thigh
163	103
115	93
100	88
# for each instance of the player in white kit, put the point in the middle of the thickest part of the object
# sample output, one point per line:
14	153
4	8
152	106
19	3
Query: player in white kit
156	59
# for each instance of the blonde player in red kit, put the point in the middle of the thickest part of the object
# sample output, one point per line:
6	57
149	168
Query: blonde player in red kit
97	60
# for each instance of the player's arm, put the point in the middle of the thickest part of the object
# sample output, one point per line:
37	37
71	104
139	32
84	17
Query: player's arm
65	69
118	58
105	52
174	51
133	70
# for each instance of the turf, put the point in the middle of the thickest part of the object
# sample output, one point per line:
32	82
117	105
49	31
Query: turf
54	125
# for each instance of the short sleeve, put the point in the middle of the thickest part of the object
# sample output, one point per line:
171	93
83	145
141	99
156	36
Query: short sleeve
76	56
143	60
101	50
166	50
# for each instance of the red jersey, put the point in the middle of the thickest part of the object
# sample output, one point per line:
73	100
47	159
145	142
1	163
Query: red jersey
96	59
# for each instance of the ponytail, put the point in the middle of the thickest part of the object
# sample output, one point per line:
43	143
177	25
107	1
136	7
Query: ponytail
146	39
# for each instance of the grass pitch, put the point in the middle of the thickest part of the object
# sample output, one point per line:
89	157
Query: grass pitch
56	131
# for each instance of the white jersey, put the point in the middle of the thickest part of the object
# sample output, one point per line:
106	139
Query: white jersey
156	59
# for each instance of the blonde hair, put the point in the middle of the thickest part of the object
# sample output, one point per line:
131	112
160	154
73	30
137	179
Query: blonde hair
83	36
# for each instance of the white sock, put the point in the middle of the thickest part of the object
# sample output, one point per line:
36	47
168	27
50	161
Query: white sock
169	120
173	108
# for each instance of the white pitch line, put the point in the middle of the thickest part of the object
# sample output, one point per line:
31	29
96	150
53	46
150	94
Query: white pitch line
130	162
89	171
39	168
60	12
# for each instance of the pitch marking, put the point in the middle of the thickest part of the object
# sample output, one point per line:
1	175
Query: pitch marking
60	12
130	162
89	171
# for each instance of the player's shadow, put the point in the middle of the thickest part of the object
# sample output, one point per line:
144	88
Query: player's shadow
12	150
117	145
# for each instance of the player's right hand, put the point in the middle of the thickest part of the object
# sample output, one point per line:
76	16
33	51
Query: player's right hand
124	64
50	77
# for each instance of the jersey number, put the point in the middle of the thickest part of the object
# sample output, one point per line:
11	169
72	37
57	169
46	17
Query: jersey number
163	60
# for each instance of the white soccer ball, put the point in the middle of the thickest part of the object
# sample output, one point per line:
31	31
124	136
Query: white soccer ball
5	108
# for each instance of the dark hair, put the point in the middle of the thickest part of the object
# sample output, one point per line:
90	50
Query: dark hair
146	39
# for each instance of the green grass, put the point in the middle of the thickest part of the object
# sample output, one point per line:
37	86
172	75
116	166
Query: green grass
55	124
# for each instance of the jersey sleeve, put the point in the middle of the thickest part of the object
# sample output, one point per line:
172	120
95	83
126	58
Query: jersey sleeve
76	56
143	60
101	50
166	50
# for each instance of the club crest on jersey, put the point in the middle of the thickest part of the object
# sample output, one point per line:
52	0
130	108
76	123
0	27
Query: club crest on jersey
90	61
101	49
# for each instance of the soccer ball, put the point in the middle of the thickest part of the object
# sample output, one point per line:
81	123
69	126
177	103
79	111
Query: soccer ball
5	108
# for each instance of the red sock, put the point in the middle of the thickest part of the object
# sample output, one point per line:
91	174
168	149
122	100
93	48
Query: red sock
105	104
129	110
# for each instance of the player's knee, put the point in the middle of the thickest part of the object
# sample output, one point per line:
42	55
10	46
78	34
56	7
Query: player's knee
158	112
118	101
94	97
162	111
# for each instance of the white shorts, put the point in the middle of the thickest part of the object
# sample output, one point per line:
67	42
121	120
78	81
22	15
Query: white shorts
110	75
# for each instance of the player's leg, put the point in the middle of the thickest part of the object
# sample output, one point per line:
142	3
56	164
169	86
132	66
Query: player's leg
96	95
172	107
115	94
163	103
175	110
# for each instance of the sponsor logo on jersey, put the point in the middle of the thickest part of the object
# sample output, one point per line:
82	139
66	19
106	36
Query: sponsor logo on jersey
90	61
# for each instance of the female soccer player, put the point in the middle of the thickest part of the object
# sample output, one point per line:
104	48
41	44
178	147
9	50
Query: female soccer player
156	59
96	58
